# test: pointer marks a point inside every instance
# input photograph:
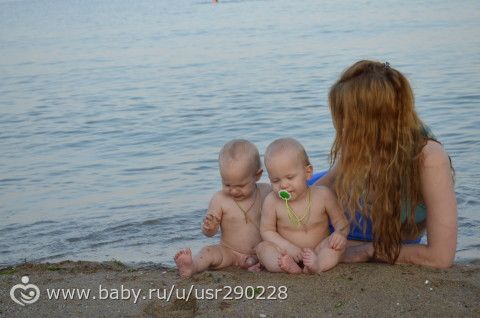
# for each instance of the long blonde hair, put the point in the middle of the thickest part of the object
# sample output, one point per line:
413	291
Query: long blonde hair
378	151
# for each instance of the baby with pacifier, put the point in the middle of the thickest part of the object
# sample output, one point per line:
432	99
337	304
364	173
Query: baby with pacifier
295	218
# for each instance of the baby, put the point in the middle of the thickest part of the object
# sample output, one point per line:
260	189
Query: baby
294	223
235	209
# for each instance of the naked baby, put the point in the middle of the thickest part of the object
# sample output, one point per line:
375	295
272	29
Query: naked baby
295	217
235	210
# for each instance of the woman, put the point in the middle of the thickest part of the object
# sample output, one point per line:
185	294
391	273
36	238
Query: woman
388	169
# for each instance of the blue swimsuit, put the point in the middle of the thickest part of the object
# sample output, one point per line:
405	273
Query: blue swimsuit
356	228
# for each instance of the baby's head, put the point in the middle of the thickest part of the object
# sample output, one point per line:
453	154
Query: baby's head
240	168
288	166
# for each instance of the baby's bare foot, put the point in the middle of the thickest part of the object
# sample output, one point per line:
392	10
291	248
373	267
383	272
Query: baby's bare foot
309	260
255	268
184	262
287	264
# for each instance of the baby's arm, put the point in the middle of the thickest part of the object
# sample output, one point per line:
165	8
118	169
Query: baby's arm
212	220
268	230
338	239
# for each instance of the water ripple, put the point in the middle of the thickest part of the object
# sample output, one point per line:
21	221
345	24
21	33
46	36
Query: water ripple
114	153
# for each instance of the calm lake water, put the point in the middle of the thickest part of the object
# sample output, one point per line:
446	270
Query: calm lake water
112	112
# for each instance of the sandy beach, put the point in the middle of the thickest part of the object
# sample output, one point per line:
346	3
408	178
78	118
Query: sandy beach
359	290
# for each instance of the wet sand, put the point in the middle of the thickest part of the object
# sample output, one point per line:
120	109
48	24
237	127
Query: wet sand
360	290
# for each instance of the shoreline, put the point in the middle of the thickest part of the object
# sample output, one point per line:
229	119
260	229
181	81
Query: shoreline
363	289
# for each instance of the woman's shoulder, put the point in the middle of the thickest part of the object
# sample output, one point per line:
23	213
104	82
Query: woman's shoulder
434	155
323	193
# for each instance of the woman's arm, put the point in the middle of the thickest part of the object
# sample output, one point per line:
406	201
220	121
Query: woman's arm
439	198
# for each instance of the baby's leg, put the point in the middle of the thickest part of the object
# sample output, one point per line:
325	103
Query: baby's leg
273	260
213	257
322	258
268	255
255	268
310	260
288	264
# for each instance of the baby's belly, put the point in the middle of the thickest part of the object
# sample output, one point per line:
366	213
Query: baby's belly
303	239
242	244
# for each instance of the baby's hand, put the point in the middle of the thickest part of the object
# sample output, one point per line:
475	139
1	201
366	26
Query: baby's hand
337	241
210	224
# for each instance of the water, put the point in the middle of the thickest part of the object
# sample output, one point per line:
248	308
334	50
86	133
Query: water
112	112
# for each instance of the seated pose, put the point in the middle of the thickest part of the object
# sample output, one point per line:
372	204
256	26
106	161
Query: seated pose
390	174
236	210
295	218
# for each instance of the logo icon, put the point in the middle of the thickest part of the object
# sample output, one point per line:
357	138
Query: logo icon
28	294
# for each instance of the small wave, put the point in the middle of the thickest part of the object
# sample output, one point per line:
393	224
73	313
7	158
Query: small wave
12	227
474	246
167	220
91	236
153	221
95	217
131	206
11	180
468	97
49	257
136	244
49	233
44	222
202	168
120	227
145	169
182	238
105	243
470	225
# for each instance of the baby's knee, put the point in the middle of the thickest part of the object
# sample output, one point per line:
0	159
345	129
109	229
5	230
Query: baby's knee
263	246
328	259
323	245
326	266
210	250
212	253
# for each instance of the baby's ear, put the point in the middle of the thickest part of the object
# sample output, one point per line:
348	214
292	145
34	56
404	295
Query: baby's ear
258	174
309	171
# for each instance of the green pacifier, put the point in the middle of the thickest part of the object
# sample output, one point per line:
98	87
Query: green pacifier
284	195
